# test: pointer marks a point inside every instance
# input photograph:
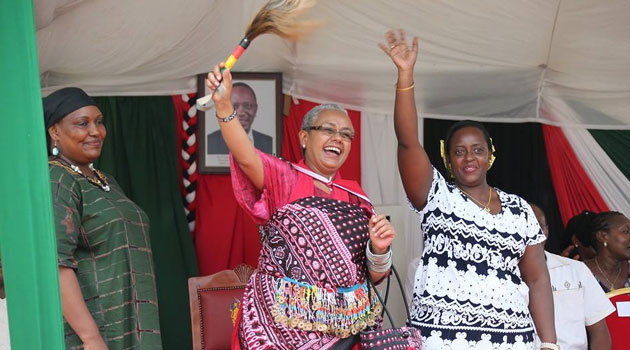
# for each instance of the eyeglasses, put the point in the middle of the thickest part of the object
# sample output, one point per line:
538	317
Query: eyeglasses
330	132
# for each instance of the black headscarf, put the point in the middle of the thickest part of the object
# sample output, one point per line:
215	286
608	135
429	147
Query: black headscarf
61	103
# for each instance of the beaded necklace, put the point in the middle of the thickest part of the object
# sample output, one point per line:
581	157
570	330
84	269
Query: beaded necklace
99	179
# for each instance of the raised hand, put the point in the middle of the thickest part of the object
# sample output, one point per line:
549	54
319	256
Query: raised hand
382	233
215	78
397	48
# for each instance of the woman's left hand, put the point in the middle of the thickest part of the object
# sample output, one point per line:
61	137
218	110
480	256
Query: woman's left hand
397	48
382	233
222	97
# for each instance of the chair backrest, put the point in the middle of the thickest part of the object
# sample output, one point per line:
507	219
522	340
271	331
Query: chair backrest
619	326
212	302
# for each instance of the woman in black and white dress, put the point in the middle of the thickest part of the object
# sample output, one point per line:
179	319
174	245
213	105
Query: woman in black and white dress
482	252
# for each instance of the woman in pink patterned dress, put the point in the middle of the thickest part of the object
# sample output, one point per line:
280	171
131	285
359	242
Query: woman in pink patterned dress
310	291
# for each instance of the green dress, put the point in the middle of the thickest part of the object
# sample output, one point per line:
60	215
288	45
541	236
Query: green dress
104	237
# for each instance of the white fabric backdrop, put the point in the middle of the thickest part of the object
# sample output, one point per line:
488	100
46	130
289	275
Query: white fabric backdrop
488	60
5	343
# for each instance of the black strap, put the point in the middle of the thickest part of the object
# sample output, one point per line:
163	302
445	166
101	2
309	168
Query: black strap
383	303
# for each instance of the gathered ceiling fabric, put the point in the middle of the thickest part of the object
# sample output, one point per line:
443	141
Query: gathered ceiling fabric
490	60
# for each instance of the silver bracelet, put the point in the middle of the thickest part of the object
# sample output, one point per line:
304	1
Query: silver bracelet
228	118
378	262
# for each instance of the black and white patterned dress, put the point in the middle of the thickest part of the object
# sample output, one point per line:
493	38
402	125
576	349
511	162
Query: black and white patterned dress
468	291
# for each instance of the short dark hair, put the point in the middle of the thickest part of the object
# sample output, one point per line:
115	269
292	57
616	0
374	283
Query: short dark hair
463	124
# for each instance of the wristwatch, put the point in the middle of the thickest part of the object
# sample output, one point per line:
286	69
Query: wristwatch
550	346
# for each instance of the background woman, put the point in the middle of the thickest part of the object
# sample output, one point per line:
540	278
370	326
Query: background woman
481	243
108	292
310	290
609	234
577	228
580	305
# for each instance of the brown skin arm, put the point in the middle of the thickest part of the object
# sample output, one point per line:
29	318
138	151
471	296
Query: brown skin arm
536	276
413	162
382	234
598	336
76	312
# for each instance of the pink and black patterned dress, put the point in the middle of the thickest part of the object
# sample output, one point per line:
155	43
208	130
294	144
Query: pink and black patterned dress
309	291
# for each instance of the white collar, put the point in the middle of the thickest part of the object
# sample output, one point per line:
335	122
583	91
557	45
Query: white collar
329	182
555	261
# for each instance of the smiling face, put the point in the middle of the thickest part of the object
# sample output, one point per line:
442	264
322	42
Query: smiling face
244	103
618	237
79	135
325	153
469	156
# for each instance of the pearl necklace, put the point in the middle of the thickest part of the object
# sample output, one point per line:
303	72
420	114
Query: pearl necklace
99	179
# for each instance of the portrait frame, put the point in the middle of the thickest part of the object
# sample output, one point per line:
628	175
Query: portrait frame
266	128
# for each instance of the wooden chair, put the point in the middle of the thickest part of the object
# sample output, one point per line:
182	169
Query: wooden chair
213	300
619	326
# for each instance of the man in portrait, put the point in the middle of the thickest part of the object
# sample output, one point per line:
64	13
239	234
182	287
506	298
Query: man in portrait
244	101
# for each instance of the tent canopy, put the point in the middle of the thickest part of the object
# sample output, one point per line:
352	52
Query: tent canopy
557	62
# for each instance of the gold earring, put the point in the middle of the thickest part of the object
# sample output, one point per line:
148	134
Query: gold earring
492	157
443	153
447	165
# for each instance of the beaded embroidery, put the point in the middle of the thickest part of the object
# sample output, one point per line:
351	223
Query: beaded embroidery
342	312
99	179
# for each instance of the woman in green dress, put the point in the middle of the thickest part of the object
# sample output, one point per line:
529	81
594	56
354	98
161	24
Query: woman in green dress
106	275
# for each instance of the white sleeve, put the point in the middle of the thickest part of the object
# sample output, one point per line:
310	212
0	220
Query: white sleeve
437	189
533	232
596	304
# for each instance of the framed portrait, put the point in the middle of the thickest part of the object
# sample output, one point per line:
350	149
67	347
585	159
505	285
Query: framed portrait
257	99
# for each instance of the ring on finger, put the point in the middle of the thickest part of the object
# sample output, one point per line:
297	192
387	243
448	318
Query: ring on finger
392	47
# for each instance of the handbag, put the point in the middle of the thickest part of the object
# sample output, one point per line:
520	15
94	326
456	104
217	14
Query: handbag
397	338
